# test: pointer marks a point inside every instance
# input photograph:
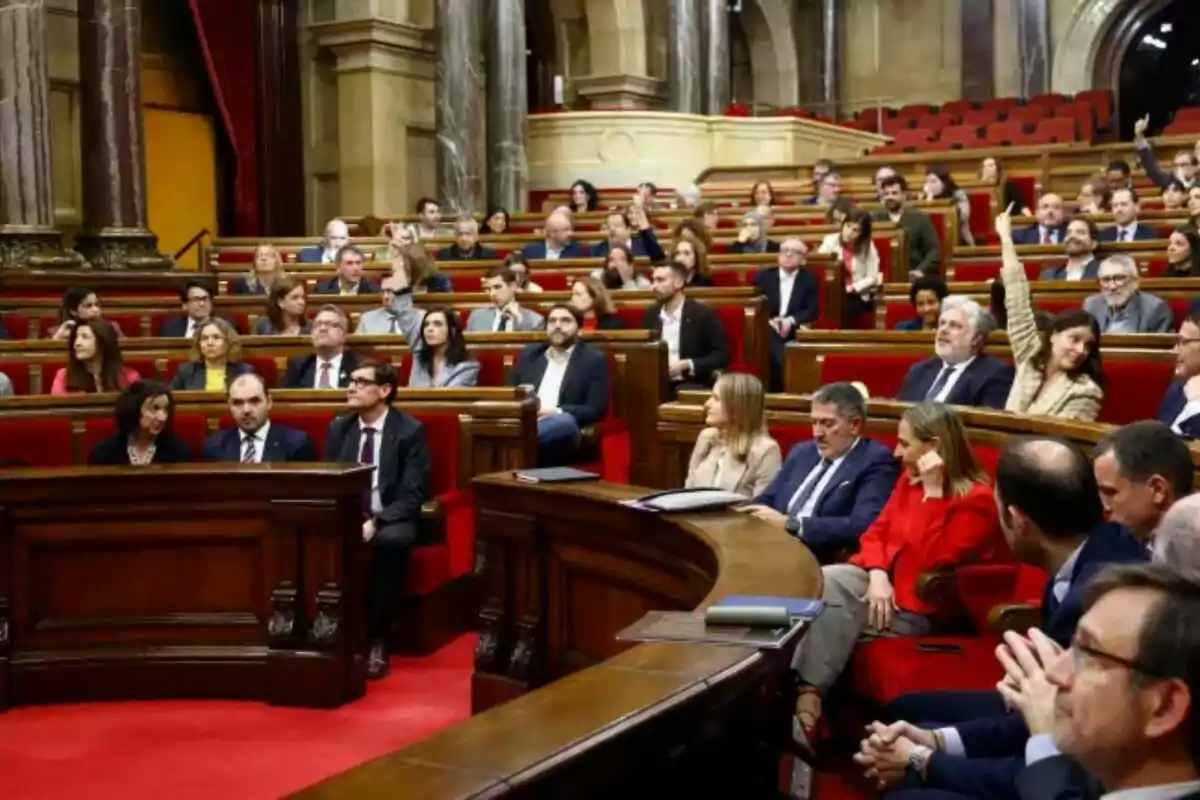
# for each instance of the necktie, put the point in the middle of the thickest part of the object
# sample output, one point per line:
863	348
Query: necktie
940	382
1047	238
323	380
809	488
394	324
505	322
248	450
1123	236
368	457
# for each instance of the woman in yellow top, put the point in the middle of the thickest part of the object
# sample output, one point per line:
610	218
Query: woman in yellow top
216	359
1058	370
735	452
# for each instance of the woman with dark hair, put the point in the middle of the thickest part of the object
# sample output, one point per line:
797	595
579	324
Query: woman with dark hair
619	272
1183	253
694	256
216	359
422	270
79	304
926	295
285	307
584	197
93	361
860	260
520	267
143	415
496	222
1095	197
990	171
440	356
762	194
839	210
593	301
940	186
1058	372
693	229
1174	195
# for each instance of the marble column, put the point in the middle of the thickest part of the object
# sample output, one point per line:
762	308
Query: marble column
1033	36
27	234
114	233
458	112
714	28
978	50
831	58
507	100
683	56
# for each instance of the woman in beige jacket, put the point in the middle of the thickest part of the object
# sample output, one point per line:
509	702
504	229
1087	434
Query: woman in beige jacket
735	452
854	246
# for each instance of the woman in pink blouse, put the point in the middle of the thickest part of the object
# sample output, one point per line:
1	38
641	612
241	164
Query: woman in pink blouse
93	361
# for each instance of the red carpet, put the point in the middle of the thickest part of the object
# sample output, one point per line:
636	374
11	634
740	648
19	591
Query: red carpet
205	749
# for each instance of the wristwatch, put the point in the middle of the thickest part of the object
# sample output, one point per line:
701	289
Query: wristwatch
918	759
795	527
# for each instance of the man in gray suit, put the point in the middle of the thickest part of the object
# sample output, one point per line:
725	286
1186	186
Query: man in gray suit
383	319
1120	307
6	386
506	313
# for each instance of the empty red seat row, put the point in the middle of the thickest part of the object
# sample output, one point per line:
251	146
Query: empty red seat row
923	115
1047	131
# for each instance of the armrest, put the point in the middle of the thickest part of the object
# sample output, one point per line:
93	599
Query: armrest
938	587
1018	617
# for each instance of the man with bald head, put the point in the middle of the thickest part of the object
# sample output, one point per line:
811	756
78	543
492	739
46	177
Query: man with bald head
791	293
1177	540
558	243
337	236
1050	228
254	439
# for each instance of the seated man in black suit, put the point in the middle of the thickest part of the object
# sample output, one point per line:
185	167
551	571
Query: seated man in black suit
349	279
1125	210
696	347
1049	227
394	443
633	230
255	439
330	365
1181	404
792	300
196	298
959	373
1053	519
832	488
466	245
1080	246
570	378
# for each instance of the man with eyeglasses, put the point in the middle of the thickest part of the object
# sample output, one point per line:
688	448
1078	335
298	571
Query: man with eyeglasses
1181	404
1184	164
330	365
1120	307
791	293
349	280
196	300
376	434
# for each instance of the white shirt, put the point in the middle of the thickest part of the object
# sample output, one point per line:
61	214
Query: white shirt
191	328
260	442
376	504
786	282
1189	410
328	255
958	370
512	326
1062	578
552	378
670	330
344	292
1075	273
1125	233
552	254
335	369
811	503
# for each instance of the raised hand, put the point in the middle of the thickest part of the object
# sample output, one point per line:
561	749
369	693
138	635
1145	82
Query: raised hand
1140	127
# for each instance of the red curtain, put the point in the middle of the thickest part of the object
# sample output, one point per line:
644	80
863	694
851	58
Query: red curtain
226	33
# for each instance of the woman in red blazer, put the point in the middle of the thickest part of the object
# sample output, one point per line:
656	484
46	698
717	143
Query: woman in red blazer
941	513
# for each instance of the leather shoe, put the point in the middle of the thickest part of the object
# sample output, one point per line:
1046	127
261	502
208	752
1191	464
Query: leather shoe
378	665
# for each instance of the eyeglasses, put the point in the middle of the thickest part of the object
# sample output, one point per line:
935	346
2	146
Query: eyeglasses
1114	280
1080	653
359	383
324	323
791	251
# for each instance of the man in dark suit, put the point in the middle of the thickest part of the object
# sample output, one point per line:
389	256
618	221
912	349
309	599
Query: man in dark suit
1080	246
466	245
1125	210
1181	404
196	299
924	248
959	373
792	300
831	489
1052	518
695	340
558	243
1049	228
632	230
330	365
256	439
349	279
570	378
394	443
337	236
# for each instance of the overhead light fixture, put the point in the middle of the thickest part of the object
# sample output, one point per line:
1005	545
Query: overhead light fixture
1154	41
1166	27
1196	62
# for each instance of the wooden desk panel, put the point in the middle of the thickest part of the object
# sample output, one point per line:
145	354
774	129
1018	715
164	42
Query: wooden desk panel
186	580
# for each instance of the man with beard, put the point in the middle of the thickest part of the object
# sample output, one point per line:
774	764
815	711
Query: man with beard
1080	244
696	346
1181	404
924	250
570	378
1049	227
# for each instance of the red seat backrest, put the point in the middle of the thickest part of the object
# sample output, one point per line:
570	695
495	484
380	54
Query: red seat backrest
16	325
981	117
18	373
130	324
266	367
313	423
1030	586
551	281
1029	113
491	367
146	369
884	373
442	429
1179	308
36	442
999	133
733	318
1133	390
631	317
192	428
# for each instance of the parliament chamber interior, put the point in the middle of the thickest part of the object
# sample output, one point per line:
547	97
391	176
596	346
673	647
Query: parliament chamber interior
481	398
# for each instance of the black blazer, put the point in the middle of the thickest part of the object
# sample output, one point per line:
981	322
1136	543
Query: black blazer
746	249
802	305
283	444
177	326
1032	235
1172	403
452	253
701	337
584	391
985	384
331	287
1141	233
191	376
3	330
403	470
610	322
240	286
302	372
114	451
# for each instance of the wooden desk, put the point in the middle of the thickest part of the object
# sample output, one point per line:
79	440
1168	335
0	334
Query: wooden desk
184	581
566	567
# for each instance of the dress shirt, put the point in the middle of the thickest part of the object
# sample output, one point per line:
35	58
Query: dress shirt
335	369
260	442
552	254
811	503
499	320
670	330
1189	410
377	425
1047	235
787	281
351	292
1040	746
1062	578
1118	321
191	328
328	254
1075	273
956	371
552	378
1125	233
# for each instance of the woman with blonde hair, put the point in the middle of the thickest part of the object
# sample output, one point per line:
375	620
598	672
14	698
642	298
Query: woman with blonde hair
215	360
423	273
285	309
267	268
593	301
694	256
735	452
942	513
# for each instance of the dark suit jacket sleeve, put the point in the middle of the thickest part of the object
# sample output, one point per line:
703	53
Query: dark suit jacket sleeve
291	378
172	450
3	331
804	302
595	403
1162	321
876	483
304	450
779	482
412	488
108	453
972	777
518	375
333	439
715	353
653	249
212	447
997	387
652	322
1057	778
1150	164
911	388
926	241
994	737
441	283
610	323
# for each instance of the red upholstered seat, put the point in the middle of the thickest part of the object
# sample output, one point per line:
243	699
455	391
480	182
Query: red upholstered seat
1058	129
1179	308
146	369
130	324
192	428
491	367
315	424
958	107
954	137
884	669
36	442
266	367
18	373
883	374
1134	390
980	117
914	110
1047	100
552	281
1001	103
1084	115
1011	132
936	122
733	320
1101	99
893	125
16	325
1028	113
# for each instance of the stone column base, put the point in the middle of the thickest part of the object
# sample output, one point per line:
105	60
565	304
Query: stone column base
620	91
29	247
122	249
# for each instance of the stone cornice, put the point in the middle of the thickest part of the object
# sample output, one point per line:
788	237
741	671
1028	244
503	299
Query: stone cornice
625	85
346	35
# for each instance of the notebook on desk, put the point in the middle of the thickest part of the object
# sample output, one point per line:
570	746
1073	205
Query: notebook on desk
554	475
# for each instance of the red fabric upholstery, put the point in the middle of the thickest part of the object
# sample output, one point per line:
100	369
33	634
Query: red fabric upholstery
18	373
1179	308
958	107
315	424
189	427
936	122
36	442
1047	100
1134	390
491	367
1001	103
1058	129
1101	99
146	369
1084	115
1028	113
964	136
981	117
884	669
551	281
914	110
16	325
130	324
733	318
893	125
442	429
266	367
1002	133
981	213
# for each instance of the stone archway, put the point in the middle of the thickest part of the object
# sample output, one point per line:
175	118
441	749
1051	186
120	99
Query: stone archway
1075	53
771	41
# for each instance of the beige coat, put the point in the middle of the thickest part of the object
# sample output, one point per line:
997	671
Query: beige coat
866	276
750	477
